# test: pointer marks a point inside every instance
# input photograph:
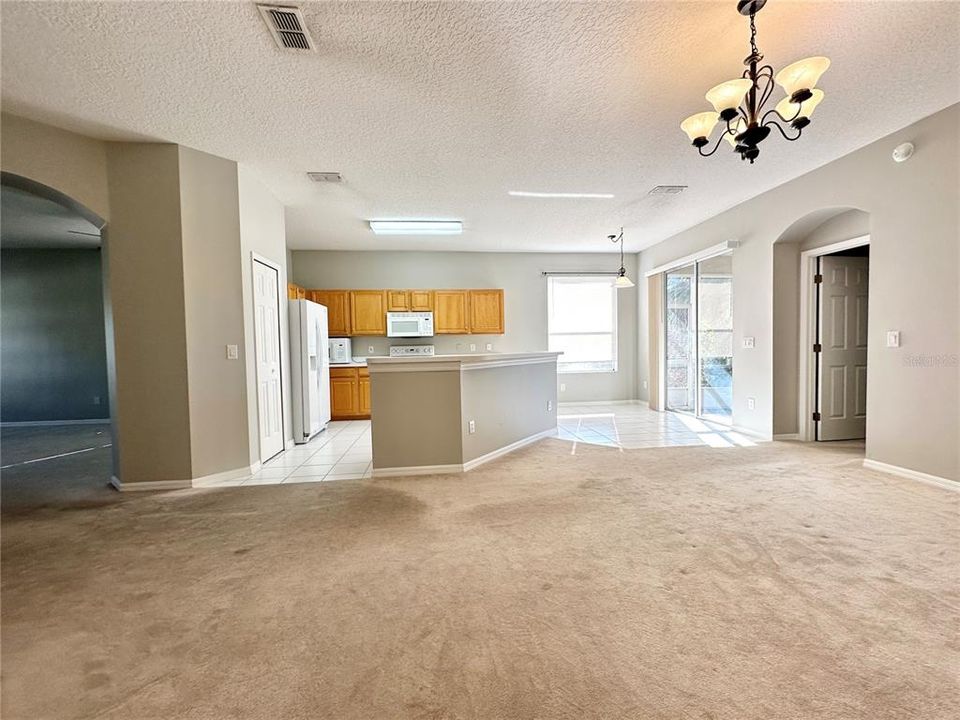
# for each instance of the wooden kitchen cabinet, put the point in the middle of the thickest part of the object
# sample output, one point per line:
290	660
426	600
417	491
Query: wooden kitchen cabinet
364	391
486	312
295	292
451	315
421	301
368	312
337	303
398	300
349	393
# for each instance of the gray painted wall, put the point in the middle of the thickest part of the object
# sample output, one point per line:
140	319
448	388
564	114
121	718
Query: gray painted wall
525	301
53	363
914	208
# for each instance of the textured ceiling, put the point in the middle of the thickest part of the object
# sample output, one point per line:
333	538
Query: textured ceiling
437	110
29	221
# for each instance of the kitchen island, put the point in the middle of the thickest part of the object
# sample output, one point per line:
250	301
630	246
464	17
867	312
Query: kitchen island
451	413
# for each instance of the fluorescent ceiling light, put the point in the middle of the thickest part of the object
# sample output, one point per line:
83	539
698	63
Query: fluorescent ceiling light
416	227
594	196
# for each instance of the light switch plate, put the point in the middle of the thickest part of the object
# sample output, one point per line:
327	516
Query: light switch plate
563	387
893	338
233	352
751	404
749	342
489	347
549	405
473	347
473	427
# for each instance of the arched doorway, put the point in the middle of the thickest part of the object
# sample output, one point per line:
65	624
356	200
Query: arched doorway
58	371
819	387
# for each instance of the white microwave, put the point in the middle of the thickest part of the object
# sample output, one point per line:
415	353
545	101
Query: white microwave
409	324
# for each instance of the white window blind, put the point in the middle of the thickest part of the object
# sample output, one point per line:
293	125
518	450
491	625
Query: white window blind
582	322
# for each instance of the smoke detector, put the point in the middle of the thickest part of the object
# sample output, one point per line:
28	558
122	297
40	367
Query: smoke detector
667	190
288	28
322	177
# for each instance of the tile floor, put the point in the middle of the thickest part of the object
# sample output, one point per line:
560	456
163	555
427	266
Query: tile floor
342	451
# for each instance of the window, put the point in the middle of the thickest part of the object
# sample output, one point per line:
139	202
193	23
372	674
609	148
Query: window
582	323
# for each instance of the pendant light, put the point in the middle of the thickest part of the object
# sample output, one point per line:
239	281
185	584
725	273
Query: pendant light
739	104
622	280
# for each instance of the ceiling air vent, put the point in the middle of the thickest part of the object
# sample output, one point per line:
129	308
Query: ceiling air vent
288	28
320	177
667	190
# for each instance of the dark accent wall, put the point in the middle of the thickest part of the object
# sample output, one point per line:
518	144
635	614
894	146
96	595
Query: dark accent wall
52	351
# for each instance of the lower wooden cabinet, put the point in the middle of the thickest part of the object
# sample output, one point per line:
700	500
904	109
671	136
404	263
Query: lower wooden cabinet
349	393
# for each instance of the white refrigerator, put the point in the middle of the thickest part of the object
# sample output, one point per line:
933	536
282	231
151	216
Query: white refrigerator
310	369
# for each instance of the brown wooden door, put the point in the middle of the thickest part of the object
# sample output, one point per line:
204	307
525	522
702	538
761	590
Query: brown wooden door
486	312
451	317
337	303
421	300
398	301
368	312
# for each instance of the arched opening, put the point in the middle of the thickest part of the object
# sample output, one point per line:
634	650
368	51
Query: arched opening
820	315
58	379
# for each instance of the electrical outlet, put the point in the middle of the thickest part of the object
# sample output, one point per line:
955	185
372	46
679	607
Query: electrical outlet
473	427
751	404
473	347
644	384
233	352
893	338
563	387
749	342
549	405
370	349
489	347
96	399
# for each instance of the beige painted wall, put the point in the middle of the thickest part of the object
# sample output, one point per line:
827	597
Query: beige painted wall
507	404
72	164
213	313
416	418
914	208
262	231
525	298
152	422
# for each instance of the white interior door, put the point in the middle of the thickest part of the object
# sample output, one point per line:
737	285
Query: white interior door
842	368
267	340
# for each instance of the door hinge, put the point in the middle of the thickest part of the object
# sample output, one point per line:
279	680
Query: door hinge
816	417
817	347
817	279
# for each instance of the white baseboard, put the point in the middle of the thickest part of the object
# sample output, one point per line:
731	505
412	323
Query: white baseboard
912	474
46	423
787	436
417	470
755	434
149	486
289	444
600	402
461	468
476	462
205	481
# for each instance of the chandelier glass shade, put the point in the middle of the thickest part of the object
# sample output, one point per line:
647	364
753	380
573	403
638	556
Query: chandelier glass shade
739	103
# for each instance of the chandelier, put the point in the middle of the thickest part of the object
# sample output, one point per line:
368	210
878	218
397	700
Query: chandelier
739	103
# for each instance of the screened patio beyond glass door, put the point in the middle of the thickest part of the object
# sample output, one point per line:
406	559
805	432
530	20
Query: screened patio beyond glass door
699	338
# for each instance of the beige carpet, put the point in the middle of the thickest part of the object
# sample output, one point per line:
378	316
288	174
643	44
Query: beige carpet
779	581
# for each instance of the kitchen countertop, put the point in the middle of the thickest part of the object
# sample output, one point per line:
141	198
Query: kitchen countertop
439	361
356	362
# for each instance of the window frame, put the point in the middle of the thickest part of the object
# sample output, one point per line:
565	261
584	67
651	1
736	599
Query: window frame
583	368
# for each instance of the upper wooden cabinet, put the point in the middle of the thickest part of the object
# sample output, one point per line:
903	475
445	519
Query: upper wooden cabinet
451	316
398	300
410	300
295	292
337	303
421	301
486	312
368	312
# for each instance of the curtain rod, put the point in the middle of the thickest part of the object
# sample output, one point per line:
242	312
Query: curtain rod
577	272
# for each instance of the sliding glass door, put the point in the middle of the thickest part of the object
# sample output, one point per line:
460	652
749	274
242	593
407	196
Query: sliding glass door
699	338
681	360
